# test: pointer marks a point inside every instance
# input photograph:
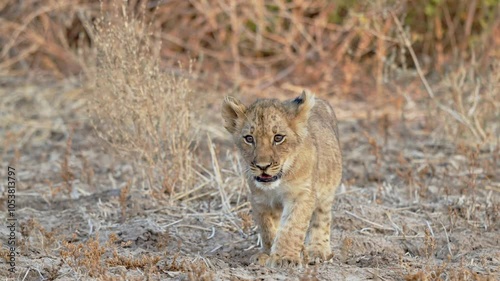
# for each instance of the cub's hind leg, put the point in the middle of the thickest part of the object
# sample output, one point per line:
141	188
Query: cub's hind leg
318	235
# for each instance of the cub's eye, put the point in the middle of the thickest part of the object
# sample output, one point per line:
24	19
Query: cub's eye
279	139
248	139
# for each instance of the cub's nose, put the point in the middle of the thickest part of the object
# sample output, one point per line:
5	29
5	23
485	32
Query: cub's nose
263	166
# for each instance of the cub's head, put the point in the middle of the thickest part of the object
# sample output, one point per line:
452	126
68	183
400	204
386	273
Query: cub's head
269	134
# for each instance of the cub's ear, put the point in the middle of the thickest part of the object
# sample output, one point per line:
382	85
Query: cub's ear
302	106
232	111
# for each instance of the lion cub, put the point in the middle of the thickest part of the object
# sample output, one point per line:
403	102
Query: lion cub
294	167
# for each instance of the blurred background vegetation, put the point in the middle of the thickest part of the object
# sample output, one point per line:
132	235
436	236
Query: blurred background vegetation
354	50
246	41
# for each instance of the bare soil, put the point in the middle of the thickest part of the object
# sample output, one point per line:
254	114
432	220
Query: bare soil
414	204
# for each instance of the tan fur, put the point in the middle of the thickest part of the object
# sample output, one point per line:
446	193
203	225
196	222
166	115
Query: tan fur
293	212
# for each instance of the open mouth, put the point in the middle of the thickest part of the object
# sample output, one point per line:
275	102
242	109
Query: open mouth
267	178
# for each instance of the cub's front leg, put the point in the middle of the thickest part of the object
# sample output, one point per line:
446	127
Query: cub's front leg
289	241
267	219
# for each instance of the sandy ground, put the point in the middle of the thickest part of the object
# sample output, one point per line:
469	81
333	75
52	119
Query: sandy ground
412	206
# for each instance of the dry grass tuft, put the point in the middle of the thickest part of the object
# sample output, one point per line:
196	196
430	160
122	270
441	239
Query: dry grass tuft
199	271
33	233
346	249
143	262
124	193
439	273
66	174
4	253
195	269
138	109
86	255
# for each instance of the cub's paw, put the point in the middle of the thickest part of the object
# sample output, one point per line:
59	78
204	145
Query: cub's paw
259	258
318	254
283	261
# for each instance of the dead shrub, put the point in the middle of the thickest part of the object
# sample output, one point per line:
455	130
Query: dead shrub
473	98
139	110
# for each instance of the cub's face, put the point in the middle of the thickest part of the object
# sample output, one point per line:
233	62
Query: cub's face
268	134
